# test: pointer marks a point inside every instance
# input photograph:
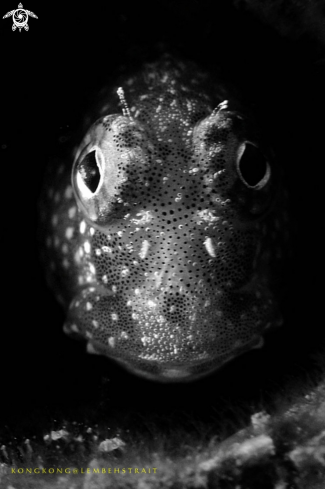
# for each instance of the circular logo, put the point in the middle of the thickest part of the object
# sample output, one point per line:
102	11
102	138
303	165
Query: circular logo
20	18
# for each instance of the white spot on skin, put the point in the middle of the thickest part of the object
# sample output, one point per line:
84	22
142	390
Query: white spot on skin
114	316
82	227
95	323
87	246
145	217
106	249
55	220
129	247
207	216
68	194
89	306
69	233
65	248
145	340
72	212
76	257
208	243
74	328
144	249
111	341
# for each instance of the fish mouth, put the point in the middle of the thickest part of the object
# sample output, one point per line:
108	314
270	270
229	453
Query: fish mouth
172	373
165	374
157	371
171	337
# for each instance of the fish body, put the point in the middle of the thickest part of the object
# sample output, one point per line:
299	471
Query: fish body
164	230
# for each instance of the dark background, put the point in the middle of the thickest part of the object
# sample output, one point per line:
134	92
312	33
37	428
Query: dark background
46	74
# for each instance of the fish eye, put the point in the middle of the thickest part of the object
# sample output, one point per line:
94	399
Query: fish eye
88	172
252	166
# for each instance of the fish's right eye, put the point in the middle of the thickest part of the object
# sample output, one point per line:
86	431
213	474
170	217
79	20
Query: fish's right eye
89	171
88	180
252	166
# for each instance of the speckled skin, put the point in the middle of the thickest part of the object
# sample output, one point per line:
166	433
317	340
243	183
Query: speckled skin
165	242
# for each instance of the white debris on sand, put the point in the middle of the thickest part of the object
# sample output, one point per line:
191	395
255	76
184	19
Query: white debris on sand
56	435
109	445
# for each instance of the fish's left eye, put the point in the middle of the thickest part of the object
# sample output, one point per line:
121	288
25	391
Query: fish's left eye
252	166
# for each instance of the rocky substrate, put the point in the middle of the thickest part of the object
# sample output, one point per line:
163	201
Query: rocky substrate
282	451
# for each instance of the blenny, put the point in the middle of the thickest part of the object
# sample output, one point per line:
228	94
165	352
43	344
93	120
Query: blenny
164	230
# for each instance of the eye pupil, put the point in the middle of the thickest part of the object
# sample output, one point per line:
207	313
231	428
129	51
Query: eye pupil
89	171
252	165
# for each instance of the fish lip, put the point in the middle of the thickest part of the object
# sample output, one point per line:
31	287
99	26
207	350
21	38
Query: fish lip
175	373
168	372
160	372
